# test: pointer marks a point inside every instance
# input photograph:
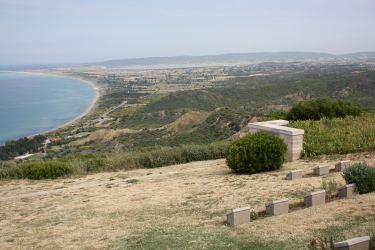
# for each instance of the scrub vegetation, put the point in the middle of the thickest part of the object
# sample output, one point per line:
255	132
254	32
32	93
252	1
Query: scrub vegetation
212	106
176	107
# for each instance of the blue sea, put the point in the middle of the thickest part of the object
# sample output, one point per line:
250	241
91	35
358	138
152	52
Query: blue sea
31	103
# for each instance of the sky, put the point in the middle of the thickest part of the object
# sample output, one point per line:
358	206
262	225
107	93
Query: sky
80	31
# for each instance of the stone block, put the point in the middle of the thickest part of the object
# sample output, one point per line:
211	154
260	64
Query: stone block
321	170
315	198
347	191
238	216
342	165
359	243
278	207
294	174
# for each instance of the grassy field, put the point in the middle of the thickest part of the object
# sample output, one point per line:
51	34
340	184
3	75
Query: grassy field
177	207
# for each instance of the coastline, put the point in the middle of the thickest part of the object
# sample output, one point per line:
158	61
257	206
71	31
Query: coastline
89	108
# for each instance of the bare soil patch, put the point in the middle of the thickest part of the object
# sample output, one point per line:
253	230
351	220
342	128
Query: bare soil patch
191	117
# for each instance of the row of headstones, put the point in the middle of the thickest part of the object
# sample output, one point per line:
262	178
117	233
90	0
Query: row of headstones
318	170
242	215
277	207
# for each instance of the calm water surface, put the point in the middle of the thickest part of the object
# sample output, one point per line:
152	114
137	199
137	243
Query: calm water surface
31	104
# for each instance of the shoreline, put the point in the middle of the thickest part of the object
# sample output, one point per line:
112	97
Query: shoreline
89	108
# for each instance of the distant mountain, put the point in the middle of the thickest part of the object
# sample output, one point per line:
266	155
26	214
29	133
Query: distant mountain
250	57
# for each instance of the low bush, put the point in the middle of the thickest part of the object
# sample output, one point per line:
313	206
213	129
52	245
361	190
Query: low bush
85	163
253	214
316	109
255	153
117	159
330	185
8	171
177	155
362	175
274	115
45	170
338	136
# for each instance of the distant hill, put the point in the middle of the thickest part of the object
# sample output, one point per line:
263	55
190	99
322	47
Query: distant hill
251	57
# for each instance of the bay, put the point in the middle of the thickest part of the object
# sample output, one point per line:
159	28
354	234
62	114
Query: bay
32	103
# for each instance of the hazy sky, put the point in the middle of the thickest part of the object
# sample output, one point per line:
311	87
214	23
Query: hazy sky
73	31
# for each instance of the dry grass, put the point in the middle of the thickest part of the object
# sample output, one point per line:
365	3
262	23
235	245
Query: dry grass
175	207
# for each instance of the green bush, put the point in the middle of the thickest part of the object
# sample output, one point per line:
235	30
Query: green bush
362	175
85	163
338	136
322	107
255	153
10	172
275	115
330	185
177	155
45	170
253	214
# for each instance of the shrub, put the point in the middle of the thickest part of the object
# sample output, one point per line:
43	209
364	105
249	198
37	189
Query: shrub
275	115
322	107
85	163
253	214
176	155
45	170
8	171
362	175
256	153
330	186
337	136
117	159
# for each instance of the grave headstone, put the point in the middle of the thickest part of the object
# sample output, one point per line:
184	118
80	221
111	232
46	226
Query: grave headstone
342	165
347	191
294	174
278	207
359	243
238	216
315	198
321	170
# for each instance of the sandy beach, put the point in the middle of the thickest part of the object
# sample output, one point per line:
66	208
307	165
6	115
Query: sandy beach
92	103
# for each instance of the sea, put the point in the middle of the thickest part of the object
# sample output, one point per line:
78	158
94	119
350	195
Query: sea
34	103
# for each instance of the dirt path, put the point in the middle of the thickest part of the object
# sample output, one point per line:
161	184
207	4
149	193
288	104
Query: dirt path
65	188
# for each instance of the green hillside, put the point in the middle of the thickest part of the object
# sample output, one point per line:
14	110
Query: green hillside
258	95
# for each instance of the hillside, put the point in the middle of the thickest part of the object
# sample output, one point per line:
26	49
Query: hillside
161	103
259	95
191	128
250	57
178	206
